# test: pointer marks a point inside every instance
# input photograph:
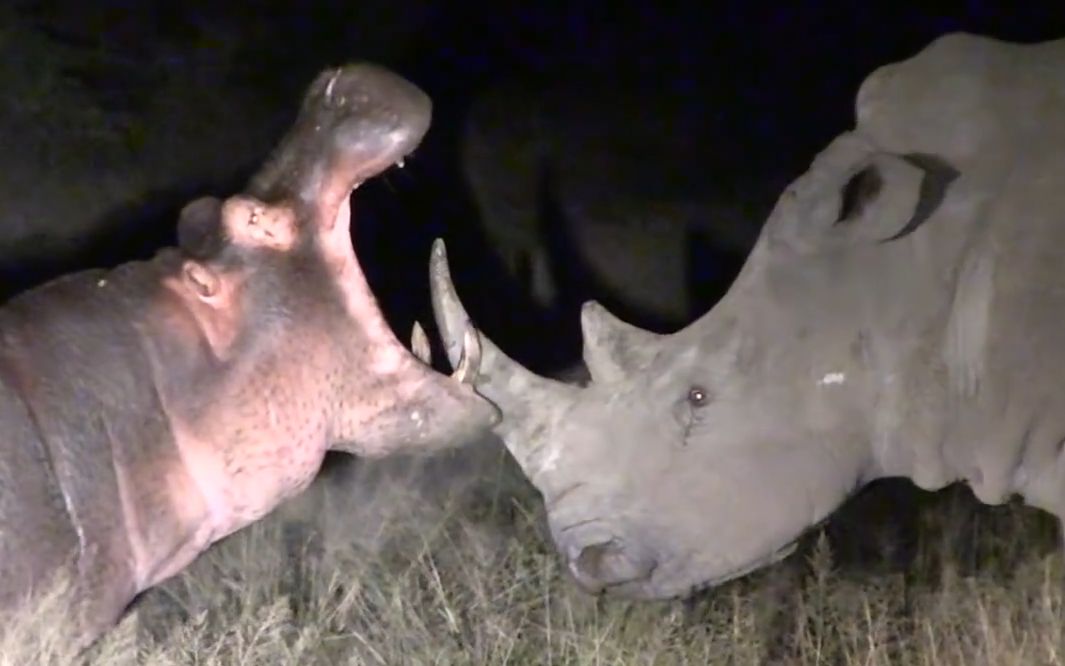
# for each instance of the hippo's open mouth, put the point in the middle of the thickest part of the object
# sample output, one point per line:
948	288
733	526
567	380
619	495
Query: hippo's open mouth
355	122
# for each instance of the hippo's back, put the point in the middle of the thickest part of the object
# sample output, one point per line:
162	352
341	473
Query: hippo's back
36	533
78	410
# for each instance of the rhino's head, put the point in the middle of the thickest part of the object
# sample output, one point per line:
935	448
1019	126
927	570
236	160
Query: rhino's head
695	457
690	458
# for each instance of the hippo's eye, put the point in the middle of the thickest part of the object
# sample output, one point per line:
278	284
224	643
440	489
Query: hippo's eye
698	396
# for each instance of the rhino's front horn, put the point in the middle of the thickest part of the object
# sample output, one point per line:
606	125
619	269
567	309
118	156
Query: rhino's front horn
498	377
614	349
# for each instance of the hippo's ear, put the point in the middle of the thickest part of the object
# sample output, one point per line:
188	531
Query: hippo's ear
856	193
205	283
252	223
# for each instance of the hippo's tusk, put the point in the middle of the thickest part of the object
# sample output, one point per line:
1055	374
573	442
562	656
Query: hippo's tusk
332	82
470	362
419	344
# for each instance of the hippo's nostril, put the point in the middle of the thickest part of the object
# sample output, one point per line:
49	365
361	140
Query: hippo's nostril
604	564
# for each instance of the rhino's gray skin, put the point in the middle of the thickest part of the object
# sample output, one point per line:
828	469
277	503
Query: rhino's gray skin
149	410
900	315
629	177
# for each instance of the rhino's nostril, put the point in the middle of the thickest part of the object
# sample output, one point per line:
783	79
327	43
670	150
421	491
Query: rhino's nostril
604	564
589	564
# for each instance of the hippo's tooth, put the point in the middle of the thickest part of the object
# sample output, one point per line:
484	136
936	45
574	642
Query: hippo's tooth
470	361
400	163
332	81
419	344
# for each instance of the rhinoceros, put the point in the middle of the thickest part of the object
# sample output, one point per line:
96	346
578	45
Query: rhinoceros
901	315
151	409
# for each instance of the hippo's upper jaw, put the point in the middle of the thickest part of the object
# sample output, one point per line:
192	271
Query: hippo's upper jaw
355	122
386	117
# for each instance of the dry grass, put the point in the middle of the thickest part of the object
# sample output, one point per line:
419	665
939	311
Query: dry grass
480	585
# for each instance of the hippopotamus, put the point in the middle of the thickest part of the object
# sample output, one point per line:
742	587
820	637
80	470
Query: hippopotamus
150	409
900	315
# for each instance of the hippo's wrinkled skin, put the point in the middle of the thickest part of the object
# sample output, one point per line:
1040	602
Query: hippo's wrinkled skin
901	315
149	410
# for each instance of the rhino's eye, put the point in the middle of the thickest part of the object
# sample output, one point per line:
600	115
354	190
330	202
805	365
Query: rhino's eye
698	396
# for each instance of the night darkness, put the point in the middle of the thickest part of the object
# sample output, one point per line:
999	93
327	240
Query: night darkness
775	82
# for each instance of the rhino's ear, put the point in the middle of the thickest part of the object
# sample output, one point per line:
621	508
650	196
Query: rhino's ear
855	193
614	349
880	201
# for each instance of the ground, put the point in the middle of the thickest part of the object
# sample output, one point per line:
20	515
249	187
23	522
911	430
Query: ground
482	586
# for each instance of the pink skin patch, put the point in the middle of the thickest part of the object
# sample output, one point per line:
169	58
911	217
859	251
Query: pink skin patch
268	410
265	432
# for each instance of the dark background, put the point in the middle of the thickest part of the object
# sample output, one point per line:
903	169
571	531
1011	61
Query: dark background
781	77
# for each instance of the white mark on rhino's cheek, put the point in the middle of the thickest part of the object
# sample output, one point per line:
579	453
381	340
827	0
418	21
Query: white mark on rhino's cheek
550	460
832	378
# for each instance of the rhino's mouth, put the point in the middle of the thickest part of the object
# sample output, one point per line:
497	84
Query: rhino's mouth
774	557
666	578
